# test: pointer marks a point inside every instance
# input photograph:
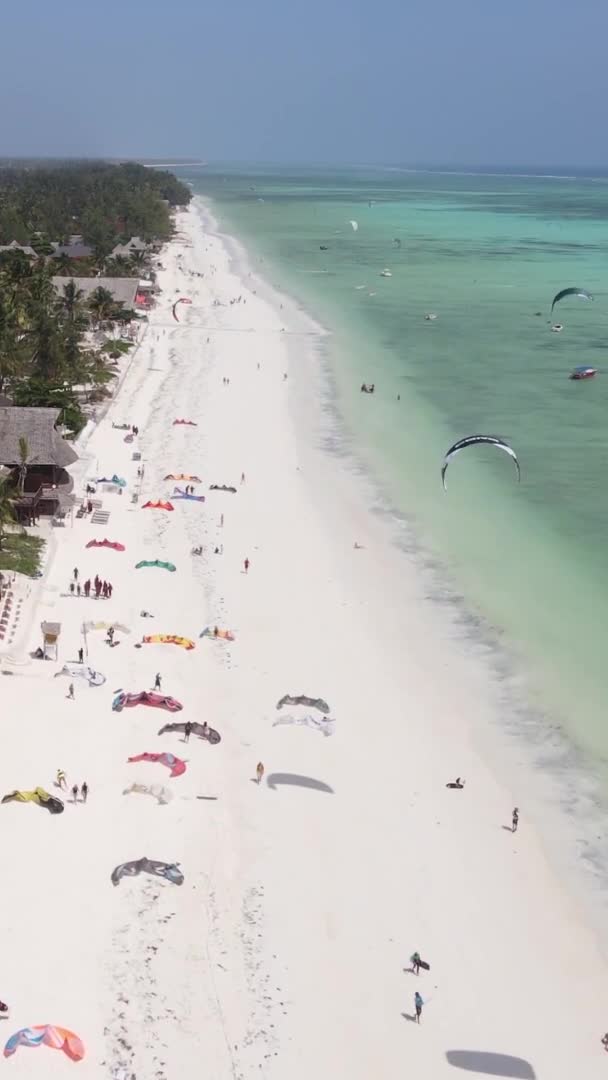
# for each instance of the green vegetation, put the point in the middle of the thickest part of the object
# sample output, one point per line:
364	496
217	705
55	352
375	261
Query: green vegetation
21	553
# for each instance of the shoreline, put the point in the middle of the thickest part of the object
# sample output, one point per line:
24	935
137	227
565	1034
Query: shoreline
286	944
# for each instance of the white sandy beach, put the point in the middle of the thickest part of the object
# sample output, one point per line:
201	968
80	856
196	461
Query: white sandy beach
283	953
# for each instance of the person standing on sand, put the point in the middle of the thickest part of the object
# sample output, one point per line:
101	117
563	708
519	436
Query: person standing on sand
81	656
84	791
246	565
75	793
418	1003
60	779
515	820
72	588
157	681
71	691
75	573
187	730
416	963
242	478
259	772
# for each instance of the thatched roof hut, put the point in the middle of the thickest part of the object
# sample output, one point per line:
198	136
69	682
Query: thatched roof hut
45	445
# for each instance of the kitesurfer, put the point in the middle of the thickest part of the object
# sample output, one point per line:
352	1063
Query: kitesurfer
259	772
416	963
515	820
187	731
157	681
418	1003
246	565
60	779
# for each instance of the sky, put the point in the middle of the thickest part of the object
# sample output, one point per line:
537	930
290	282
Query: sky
444	82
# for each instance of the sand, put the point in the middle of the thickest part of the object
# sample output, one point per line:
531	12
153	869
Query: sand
285	952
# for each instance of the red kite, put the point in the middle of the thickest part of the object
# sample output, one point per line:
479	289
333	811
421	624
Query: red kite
106	543
158	505
176	764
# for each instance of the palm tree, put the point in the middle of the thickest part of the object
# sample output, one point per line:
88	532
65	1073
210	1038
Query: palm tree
70	303
101	304
24	463
7	508
63	265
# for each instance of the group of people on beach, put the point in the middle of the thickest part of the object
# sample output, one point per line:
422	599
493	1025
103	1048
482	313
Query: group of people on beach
62	784
98	586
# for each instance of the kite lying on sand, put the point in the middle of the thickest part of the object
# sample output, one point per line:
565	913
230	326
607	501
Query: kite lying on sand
189	423
156	562
183	476
318	723
106	544
222	487
179	494
217	634
170	871
175	764
158	504
162	794
81	671
117	480
302	699
38	796
182	300
47	1035
208	733
101	625
168	639
145	697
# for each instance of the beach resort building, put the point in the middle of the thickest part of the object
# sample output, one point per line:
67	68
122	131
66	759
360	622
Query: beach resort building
25	249
47	487
123	290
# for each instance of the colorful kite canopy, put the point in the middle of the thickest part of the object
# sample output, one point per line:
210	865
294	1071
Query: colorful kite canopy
101	625
182	300
145	697
202	730
170	871
175	764
189	423
215	632
48	1035
302	699
118	480
106	544
183	476
156	562
179	494
157	505
168	639
162	794
38	796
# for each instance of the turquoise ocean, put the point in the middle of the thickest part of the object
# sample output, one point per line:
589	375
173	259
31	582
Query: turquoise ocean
485	253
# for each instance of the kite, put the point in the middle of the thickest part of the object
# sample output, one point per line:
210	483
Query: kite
322	724
354	224
179	494
301	699
215	632
183	476
570	292
115	480
162	794
156	562
48	1035
182	300
176	764
94	678
169	639
158	505
189	423
583	373
101	625
107	544
474	440
157	701
202	730
170	871
222	487
38	796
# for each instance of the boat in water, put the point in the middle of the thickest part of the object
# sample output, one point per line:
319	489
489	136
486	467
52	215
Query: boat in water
386	273
583	373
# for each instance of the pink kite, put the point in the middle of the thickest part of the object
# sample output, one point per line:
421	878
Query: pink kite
106	543
176	764
158	505
48	1035
190	422
124	700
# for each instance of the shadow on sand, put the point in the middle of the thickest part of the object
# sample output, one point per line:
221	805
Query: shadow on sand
489	1064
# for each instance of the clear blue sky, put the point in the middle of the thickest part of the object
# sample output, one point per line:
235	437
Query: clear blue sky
437	81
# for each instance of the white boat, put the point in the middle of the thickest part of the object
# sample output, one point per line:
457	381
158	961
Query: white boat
557	328
386	273
430	316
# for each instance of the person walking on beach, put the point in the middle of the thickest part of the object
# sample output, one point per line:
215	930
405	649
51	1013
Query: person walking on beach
515	820
242	478
75	573
75	793
71	588
84	791
246	565
418	1003
60	780
81	656
87	587
187	730
71	691
259	772
157	681
78	588
416	963
221	521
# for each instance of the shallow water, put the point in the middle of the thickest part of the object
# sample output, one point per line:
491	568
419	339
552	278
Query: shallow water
485	253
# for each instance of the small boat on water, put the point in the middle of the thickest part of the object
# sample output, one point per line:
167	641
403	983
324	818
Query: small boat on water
557	328
583	373
386	273
430	316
